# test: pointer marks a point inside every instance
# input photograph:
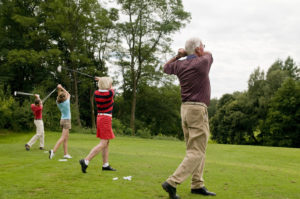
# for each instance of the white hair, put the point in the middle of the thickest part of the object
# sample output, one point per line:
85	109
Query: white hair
191	44
105	83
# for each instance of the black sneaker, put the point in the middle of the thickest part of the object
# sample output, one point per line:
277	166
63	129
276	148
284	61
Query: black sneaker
83	165
27	147
203	191
41	148
108	168
171	190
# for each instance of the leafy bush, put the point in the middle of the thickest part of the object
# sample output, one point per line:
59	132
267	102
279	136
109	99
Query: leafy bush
143	133
164	137
22	117
118	127
83	130
6	113
128	131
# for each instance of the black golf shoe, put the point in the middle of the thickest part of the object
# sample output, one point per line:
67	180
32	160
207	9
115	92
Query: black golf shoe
83	165
108	168
171	190
203	191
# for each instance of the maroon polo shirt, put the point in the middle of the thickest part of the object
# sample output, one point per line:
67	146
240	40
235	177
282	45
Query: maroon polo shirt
192	73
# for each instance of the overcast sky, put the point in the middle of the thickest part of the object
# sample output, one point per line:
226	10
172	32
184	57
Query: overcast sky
242	35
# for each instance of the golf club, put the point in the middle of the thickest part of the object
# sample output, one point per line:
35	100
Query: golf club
61	67
22	93
43	100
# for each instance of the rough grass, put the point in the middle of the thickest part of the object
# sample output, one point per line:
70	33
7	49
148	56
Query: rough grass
232	171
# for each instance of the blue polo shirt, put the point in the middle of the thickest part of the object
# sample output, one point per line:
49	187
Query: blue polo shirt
65	110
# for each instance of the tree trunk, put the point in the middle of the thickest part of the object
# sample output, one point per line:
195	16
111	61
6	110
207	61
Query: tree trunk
133	106
92	107
76	99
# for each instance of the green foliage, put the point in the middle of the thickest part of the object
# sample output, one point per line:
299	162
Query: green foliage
6	109
118	127
212	108
163	137
158	109
231	124
283	120
83	130
266	114
144	133
145	35
13	116
37	36
128	131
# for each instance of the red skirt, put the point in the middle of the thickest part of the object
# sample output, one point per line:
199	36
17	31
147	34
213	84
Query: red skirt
104	130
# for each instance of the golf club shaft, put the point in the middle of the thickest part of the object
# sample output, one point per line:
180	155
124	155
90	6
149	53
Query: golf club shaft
22	93
43	100
77	72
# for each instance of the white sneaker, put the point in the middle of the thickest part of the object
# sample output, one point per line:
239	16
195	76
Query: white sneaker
67	156
51	154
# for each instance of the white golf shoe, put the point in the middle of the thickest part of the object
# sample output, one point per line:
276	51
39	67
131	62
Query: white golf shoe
67	156
51	154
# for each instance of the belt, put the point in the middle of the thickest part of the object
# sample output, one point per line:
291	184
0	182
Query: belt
105	114
195	103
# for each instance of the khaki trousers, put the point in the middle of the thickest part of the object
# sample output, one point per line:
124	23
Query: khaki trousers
39	133
196	132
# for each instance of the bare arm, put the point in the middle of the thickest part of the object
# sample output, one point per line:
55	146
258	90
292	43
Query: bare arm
59	86
37	96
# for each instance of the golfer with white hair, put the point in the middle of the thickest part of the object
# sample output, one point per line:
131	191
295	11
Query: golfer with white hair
104	101
192	73
63	103
37	109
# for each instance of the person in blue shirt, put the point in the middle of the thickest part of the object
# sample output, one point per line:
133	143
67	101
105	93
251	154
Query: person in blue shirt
63	103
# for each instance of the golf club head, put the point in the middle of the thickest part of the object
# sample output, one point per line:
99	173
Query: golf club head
22	93
59	69
15	93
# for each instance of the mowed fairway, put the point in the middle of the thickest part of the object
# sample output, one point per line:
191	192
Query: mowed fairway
232	171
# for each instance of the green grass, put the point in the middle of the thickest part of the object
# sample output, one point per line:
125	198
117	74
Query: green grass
232	171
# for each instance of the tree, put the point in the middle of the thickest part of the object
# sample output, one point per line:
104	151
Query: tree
217	123
158	108
145	33
212	108
37	36
232	122
282	124
82	31
292	69
253	117
22	42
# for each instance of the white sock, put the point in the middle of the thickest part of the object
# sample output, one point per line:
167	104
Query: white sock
105	164
86	162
